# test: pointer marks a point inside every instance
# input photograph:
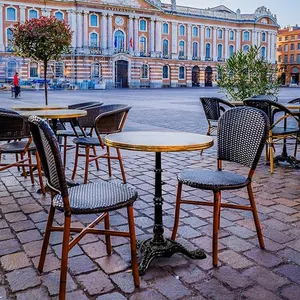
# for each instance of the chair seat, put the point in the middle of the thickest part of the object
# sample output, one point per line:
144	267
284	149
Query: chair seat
212	180
16	147
66	132
97	197
87	141
285	131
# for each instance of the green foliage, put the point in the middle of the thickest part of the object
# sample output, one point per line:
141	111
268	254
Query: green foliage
246	74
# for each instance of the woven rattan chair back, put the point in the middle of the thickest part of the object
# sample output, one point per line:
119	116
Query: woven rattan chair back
242	133
88	121
84	105
266	97
296	100
48	149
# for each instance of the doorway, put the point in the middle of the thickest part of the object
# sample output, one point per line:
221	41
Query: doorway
195	76
208	76
121	73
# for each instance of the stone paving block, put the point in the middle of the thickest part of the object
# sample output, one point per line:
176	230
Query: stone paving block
194	222
15	261
51	262
205	243
277	236
263	258
124	281
292	272
6	234
31	208
3	224
22	225
29	236
235	260
241	232
75	251
3	294
291	292
112	264
189	274
34	248
9	208
235	243
81	264
15	217
147	294
9	246
290	255
259	293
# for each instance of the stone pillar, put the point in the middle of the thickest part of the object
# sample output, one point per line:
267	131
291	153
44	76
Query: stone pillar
202	45
258	38
110	44
269	47
273	47
130	33
189	76
22	13
79	29
152	39
158	37
85	28
214	47
226	46
174	41
136	35
238	40
74	28
104	32
189	42
254	37
2	47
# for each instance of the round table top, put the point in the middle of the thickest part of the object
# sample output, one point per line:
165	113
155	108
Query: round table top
38	107
55	113
159	141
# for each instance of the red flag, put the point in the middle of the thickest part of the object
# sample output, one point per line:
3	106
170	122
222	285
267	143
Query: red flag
131	42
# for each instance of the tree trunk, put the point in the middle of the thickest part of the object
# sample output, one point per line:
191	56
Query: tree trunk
45	81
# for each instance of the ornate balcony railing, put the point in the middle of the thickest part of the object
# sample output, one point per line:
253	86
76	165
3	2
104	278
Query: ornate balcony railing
167	56
196	58
182	57
221	59
208	59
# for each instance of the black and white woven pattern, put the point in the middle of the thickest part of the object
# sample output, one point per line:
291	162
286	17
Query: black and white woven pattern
266	97
242	133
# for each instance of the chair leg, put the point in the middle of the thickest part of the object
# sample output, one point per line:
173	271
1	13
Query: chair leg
121	165
177	211
134	262
39	169
255	217
64	259
75	162
107	237
208	129
46	239
87	161
271	156
96	160
296	145
30	167
216	221
23	168
17	159
65	151
267	152
108	160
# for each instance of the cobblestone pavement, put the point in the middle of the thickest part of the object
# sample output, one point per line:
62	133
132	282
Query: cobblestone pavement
244	272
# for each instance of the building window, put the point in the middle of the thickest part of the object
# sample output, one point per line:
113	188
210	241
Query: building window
285	59
208	33
279	58
286	38
59	70
95	71
263	37
165	28
165	72
220	51
119	41
286	48
292	60
292	47
10	14
181	72
181	30
280	39
298	58
143	25
93	20
32	14
298	46
231	50
298	36
195	31
93	39
246	48
59	15
195	49
11	68
280	48
181	49
246	36
220	34
293	38
231	35
143	45
9	37
33	70
207	51
145	71
263	52
165	47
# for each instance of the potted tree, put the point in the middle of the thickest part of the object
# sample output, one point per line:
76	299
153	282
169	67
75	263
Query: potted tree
42	39
246	74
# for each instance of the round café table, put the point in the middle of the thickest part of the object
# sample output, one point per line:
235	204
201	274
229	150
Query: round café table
155	141
28	107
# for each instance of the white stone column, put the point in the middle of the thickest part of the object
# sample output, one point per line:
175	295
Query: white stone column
158	36
130	33
136	35
269	47
254	37
214	47
238	39
189	41
174	41
22	13
74	28
79	29
152	39
202	45
226	46
85	28
1	29
104	32
258	38
273	47
110	45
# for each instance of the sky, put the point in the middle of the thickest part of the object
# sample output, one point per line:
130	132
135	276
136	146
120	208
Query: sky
287	11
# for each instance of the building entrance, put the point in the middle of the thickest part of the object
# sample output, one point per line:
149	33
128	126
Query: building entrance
195	76
121	73
208	76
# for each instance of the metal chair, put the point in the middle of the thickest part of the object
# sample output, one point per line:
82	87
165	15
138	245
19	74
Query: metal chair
266	97
242	132
96	198
111	119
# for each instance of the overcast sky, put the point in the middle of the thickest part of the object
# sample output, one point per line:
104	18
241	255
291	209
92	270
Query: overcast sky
287	11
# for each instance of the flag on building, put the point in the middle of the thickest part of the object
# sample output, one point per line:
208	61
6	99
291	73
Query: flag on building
131	43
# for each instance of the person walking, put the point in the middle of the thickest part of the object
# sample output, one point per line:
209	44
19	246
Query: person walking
17	85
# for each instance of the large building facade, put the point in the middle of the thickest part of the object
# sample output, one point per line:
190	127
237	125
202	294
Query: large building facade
139	43
288	55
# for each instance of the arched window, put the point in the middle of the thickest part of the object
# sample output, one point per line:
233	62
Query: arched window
181	30
10	14
195	49
295	70
208	33
165	72
231	50
246	36
59	15
32	14
292	47
220	51
263	52
263	37
195	31
59	69
95	71
286	47
181	72
119	41
33	71
165	47
143	45
165	28
93	39
207	51
11	68
246	48
220	34
231	35
143	25
181	48
144	72
93	20
9	37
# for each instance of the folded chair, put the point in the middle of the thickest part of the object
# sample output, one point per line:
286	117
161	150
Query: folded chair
241	137
96	198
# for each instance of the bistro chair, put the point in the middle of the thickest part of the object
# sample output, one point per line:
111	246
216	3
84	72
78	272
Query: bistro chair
242	132
296	100
96	198
266	97
280	130
111	119
15	133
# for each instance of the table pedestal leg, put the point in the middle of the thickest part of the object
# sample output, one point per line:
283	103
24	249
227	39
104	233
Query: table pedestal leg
159	246
285	157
